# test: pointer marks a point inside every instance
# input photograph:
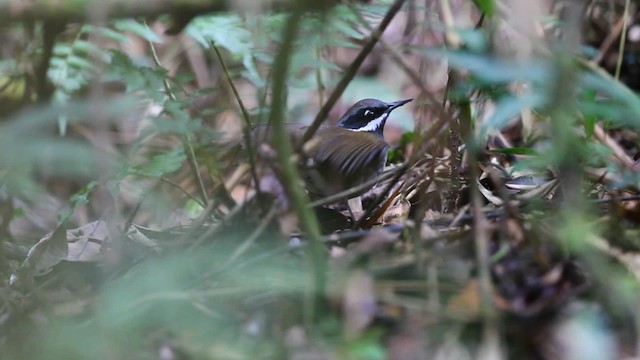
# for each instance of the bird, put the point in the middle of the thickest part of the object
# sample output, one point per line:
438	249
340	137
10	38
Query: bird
345	155
352	152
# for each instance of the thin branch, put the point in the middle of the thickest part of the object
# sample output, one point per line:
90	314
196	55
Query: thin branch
401	171
262	226
186	140
617	150
623	38
611	37
433	103
351	71
182	190
246	129
348	193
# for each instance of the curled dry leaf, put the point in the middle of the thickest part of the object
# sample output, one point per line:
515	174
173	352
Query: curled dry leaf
85	243
139	237
81	244
526	182
488	195
49	251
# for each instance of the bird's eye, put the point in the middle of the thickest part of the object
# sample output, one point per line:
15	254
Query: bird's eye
368	113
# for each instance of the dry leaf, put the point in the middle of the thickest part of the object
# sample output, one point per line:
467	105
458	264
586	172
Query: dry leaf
85	243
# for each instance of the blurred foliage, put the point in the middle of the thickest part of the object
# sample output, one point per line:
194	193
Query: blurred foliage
193	268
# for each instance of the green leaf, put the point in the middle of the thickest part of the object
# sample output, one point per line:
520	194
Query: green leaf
61	50
621	105
106	32
82	196
162	164
91	51
515	151
486	6
80	63
508	108
589	119
136	28
227	32
496	70
138	78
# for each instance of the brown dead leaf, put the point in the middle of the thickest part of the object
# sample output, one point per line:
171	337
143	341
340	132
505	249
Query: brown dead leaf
85	242
81	244
397	212
49	251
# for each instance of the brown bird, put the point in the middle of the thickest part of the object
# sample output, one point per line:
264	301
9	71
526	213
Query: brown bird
348	154
353	151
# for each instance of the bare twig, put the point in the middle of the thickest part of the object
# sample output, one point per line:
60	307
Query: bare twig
271	214
351	71
401	170
182	190
618	151
612	36
348	193
246	129
433	103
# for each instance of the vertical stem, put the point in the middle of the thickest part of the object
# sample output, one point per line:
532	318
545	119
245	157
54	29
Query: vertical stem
319	78
186	139
623	38
290	174
246	129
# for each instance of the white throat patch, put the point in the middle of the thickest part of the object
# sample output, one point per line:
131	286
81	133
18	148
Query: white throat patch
374	124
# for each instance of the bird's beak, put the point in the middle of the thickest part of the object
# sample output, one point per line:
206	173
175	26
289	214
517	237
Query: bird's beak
396	104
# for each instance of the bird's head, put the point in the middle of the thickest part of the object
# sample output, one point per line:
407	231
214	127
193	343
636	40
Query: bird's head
369	115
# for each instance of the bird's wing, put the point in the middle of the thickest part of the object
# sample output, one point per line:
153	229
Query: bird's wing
350	151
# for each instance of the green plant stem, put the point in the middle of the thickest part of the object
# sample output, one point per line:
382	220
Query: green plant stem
246	129
351	71
481	241
186	139
623	38
290	174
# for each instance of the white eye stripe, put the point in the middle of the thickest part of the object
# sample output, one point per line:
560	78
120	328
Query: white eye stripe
373	125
